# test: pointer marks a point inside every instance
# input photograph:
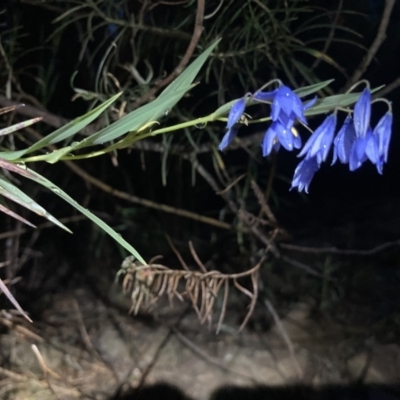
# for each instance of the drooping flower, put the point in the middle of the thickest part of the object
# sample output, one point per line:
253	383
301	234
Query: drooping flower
234	116
304	173
287	107
384	131
377	141
277	135
343	141
365	148
373	146
228	137
319	143
362	113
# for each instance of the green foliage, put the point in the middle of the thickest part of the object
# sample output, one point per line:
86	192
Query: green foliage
136	121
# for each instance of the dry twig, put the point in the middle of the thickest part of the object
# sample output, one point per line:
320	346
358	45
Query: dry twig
147	283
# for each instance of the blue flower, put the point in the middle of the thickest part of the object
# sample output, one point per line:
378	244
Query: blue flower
234	116
304	173
381	135
374	145
344	141
320	141
384	131
277	135
362	113
286	107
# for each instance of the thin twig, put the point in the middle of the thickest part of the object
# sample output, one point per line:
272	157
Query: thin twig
263	203
331	35
147	203
389	88
46	370
196	257
376	44
285	336
201	353
175	250
304	267
198	29
21	330
231	185
335	250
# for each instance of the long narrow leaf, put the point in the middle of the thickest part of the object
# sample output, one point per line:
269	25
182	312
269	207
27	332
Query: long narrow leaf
7	189
59	192
339	100
5	290
12	214
63	133
21	125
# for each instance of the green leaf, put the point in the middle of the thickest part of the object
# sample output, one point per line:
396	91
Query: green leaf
157	108
306	90
7	189
59	192
186	78
339	100
137	118
63	133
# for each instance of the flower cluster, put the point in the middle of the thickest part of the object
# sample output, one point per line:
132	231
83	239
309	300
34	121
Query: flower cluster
355	142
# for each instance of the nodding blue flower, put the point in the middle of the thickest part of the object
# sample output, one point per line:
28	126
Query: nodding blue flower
373	146
362	113
304	173
277	135
234	116
286	107
383	130
319	143
344	141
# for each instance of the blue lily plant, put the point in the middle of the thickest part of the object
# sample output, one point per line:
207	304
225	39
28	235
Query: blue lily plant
355	143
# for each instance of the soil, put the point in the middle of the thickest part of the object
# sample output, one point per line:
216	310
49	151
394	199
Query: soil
85	346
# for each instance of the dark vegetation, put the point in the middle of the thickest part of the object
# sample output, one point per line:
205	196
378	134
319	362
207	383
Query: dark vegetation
336	248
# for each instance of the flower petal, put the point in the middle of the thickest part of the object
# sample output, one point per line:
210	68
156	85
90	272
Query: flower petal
265	96
357	153
310	103
269	140
362	113
344	141
285	136
304	173
320	141
384	131
228	138
236	112
372	147
287	102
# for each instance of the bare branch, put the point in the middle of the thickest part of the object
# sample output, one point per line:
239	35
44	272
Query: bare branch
376	44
